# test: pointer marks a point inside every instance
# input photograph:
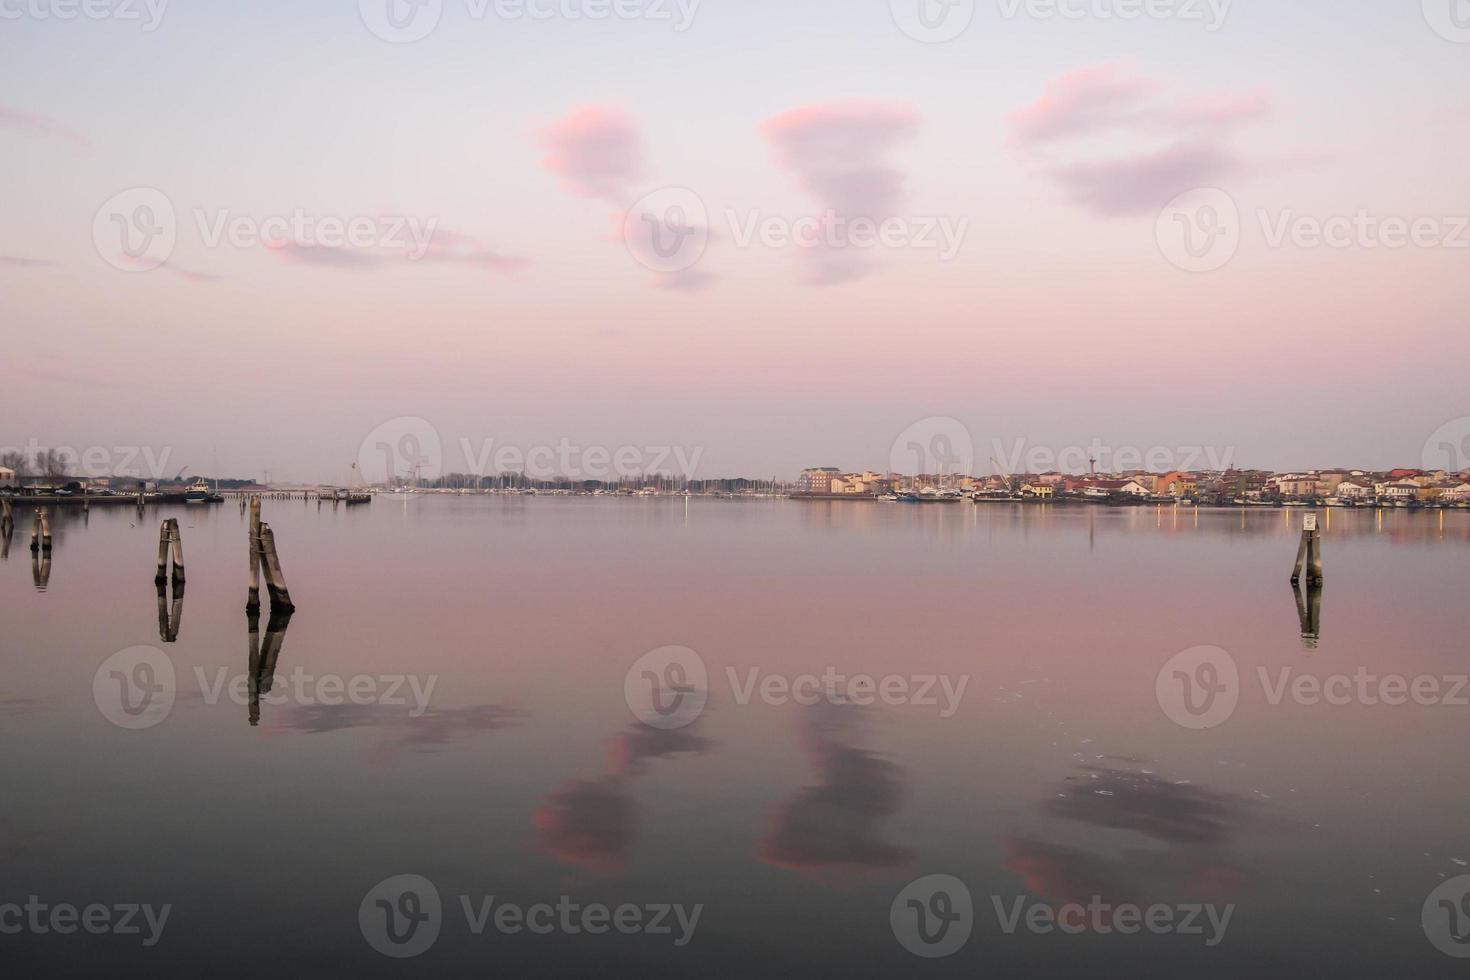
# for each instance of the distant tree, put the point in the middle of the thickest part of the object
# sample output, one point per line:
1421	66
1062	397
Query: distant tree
52	464
15	460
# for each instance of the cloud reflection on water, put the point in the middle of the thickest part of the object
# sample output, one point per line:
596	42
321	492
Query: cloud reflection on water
838	823
591	823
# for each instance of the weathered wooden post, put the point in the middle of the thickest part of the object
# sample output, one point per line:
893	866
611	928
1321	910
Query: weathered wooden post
41	533
275	581
1309	554
177	541
7	516
163	542
252	602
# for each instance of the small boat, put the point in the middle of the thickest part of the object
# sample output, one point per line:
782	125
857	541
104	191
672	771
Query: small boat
197	493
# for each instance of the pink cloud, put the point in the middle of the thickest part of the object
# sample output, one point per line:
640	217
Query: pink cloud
34	123
1172	141
443	246
1143	183
1081	102
456	248
596	151
839	153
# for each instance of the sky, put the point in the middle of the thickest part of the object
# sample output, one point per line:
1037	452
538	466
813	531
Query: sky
650	230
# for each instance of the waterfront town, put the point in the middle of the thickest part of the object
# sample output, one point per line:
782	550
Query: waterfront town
52	476
1332	488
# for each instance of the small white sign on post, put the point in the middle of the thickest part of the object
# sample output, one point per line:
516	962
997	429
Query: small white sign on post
1309	522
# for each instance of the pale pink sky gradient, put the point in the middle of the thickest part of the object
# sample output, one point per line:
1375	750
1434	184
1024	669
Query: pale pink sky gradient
1058	321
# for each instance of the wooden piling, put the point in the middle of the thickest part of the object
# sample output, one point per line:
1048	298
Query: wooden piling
177	541
7	516
163	542
275	581
1309	555
252	602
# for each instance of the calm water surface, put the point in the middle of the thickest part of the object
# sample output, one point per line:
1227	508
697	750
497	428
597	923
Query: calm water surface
1058	778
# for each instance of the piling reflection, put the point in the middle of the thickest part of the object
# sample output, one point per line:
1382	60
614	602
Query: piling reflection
263	656
41	570
1309	614
170	616
838	824
6	533
592	823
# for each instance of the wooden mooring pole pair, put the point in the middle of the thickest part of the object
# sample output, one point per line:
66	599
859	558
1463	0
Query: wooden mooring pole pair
169	541
41	533
263	558
1309	555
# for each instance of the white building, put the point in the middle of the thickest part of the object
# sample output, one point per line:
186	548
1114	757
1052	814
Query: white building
7	477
